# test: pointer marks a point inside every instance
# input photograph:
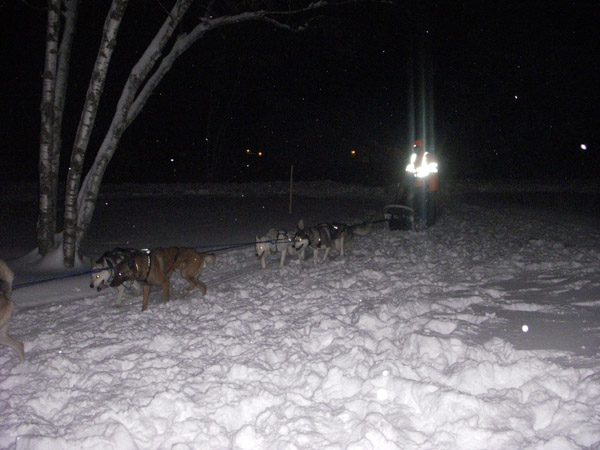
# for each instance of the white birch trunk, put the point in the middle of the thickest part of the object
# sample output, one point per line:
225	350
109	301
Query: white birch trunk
86	123
48	163
88	194
70	10
135	93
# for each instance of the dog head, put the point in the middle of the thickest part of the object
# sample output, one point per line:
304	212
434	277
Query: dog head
101	277
125	271
103	270
262	246
301	237
291	239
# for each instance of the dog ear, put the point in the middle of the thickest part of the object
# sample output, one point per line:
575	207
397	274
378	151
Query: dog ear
257	239
301	224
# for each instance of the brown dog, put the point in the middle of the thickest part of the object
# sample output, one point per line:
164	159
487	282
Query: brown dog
156	267
6	307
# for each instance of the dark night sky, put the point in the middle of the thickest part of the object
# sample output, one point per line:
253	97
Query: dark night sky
512	86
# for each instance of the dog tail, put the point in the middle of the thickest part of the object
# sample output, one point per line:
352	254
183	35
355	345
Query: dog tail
362	229
6	279
209	257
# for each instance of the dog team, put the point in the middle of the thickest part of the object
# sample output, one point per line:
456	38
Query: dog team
324	236
134	271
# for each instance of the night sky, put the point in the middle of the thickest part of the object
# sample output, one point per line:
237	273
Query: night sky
509	91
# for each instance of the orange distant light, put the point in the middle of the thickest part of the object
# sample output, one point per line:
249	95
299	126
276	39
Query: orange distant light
353	152
259	153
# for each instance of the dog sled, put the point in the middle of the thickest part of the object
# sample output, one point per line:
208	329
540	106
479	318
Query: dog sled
401	217
409	210
400	214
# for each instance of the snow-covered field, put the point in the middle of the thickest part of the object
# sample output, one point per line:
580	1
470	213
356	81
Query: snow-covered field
481	332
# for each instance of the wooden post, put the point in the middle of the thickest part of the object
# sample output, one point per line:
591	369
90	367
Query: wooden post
291	185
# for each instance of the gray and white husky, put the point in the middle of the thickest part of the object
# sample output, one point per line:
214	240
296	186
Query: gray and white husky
103	272
6	308
274	241
326	236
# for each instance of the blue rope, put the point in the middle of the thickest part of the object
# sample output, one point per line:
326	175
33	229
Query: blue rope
218	247
221	247
214	248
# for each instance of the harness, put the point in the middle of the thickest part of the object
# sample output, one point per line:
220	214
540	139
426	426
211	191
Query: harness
110	267
149	267
282	236
174	261
325	235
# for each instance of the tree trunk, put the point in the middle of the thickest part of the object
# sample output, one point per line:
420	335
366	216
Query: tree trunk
137	90
48	164
86	123
70	8
128	108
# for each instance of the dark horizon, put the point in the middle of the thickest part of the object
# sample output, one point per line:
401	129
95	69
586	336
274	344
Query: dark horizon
510	92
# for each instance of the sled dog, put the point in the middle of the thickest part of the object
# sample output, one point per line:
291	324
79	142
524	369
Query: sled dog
6	308
275	241
326	236
103	272
156	267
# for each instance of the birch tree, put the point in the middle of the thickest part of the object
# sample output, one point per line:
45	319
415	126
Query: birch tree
48	162
145	75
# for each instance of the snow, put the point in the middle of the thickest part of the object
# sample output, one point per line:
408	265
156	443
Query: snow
480	332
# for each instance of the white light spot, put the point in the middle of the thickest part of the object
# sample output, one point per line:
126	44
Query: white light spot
382	394
583	147
525	328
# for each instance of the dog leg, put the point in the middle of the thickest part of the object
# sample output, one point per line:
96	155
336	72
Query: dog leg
193	283
6	339
17	346
134	287
165	286
326	254
146	295
202	287
316	255
342	246
263	261
282	260
120	290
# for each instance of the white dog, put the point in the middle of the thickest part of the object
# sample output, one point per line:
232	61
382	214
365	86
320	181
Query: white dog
275	241
103	272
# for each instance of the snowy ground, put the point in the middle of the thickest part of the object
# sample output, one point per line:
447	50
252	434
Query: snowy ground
481	332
